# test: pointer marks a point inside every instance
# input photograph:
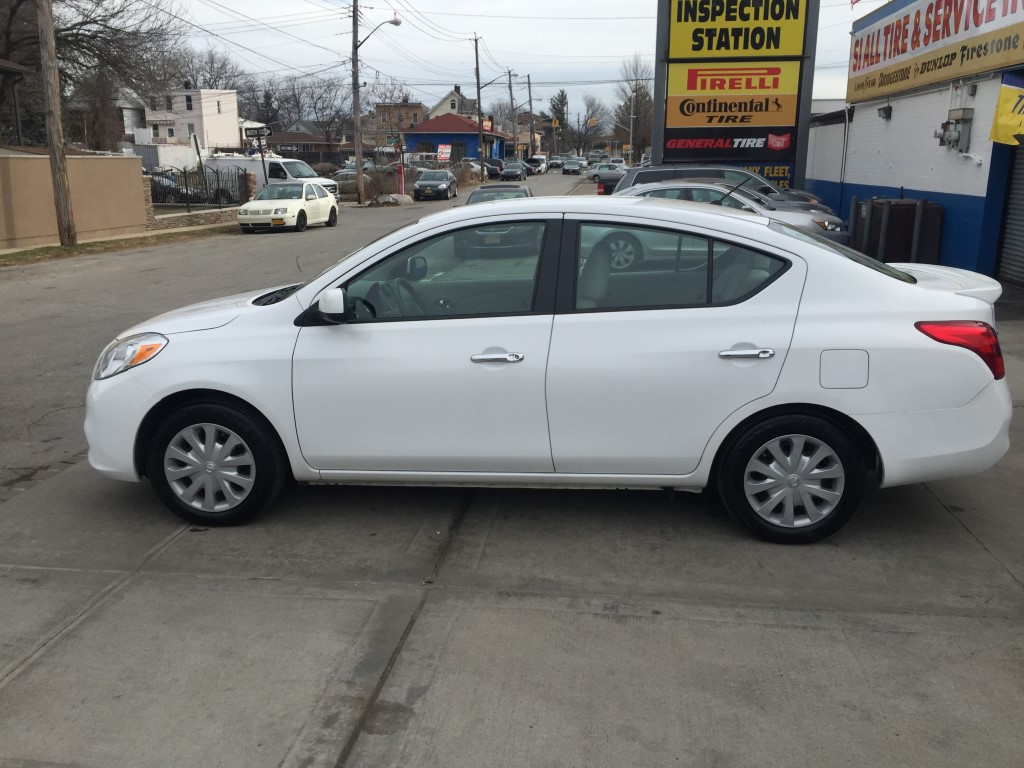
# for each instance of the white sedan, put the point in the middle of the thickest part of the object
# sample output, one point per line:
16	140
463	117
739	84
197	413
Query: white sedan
288	206
781	369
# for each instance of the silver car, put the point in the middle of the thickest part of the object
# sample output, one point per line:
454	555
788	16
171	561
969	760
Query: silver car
606	172
725	194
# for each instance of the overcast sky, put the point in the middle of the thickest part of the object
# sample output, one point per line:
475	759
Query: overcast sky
578	45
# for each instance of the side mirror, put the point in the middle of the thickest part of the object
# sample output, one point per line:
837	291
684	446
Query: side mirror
311	197
415	268
251	199
331	306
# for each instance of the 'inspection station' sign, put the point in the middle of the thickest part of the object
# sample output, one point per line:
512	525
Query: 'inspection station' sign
713	29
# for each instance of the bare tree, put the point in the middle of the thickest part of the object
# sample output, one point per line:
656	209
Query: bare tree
387	90
212	69
591	125
634	99
129	38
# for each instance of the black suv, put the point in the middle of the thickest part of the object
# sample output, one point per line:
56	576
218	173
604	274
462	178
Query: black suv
731	174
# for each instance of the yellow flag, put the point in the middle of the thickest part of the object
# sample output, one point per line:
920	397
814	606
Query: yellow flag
1009	118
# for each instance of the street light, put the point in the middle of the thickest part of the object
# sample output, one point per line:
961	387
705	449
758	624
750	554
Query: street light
357	131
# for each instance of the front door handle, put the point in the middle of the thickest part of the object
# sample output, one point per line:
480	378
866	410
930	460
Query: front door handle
498	357
759	354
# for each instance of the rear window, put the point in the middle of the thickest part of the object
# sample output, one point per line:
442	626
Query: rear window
842	250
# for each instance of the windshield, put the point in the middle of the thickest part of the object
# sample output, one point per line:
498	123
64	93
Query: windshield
433	176
856	256
508	194
280	192
299	170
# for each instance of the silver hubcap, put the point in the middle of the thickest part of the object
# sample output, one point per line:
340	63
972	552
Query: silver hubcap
794	481
209	467
622	253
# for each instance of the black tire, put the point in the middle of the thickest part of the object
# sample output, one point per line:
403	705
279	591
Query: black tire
626	251
454	190
300	222
268	465
597	179
796	438
332	217
223	197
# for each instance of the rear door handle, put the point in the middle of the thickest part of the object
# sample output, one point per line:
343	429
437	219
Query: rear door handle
759	354
498	357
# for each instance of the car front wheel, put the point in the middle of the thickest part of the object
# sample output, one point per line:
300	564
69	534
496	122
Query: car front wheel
211	464
300	222
792	479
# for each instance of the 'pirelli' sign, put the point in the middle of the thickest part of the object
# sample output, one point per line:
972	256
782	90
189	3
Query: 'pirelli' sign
734	74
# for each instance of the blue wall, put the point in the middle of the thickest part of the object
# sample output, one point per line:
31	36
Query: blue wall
971	226
471	140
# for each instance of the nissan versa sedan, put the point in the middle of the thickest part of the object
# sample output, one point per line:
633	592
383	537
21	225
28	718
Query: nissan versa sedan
781	369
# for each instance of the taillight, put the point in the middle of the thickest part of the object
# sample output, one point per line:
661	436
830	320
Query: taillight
600	188
978	337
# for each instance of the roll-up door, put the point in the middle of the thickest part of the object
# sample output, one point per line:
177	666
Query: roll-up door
1011	259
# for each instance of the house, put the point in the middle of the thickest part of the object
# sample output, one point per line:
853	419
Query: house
458	132
394	119
455	104
174	117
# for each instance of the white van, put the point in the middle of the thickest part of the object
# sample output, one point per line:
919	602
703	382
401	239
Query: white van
279	170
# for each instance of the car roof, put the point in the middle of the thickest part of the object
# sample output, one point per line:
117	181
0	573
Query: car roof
485	187
669	211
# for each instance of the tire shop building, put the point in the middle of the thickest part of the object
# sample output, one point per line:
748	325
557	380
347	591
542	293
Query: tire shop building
935	111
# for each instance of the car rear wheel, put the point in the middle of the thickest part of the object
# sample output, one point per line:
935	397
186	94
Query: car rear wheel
792	479
626	251
211	464
300	222
332	217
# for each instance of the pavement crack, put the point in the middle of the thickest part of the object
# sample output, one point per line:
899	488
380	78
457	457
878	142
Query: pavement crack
462	508
28	427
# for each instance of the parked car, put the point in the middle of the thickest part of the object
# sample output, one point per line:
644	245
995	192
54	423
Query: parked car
556	162
493	192
539	162
288	206
785	371
717	192
572	166
738	175
435	184
514	170
605	172
165	189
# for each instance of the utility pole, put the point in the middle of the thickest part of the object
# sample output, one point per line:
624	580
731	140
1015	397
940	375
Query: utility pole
479	110
54	127
512	110
632	116
357	129
529	95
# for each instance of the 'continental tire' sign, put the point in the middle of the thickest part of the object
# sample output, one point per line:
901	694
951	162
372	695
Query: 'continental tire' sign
715	29
930	41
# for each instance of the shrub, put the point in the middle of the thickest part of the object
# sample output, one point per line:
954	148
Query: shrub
325	169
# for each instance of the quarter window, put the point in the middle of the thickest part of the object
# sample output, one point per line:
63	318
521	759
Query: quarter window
645	268
479	271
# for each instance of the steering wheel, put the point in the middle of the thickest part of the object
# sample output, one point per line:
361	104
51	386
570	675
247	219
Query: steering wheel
412	299
390	295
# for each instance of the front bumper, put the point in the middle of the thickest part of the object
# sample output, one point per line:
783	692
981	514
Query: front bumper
268	221
114	409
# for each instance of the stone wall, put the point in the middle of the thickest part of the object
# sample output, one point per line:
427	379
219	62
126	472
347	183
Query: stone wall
195	218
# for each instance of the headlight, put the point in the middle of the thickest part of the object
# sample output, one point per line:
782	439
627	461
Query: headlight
122	354
242	212
829	226
280	211
442	186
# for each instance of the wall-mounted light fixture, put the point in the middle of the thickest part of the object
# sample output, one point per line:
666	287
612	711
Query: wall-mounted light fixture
885	112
